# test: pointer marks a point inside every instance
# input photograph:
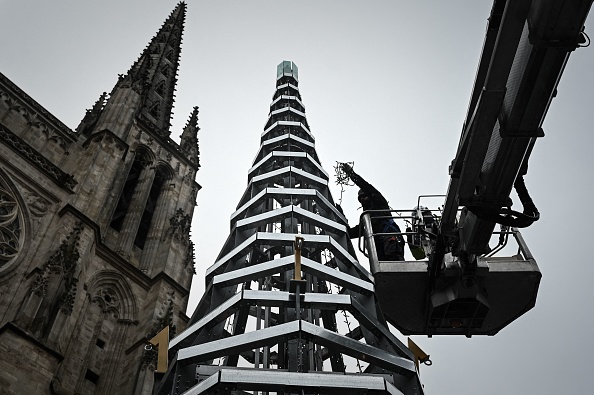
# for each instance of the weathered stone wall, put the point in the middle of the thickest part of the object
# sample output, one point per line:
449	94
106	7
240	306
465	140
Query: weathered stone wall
26	366
78	299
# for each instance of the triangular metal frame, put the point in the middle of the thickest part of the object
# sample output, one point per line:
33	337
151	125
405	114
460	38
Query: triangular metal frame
287	196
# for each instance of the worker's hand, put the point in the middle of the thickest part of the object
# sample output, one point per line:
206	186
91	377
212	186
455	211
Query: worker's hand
346	168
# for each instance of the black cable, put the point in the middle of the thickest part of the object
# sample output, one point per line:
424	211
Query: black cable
508	217
586	40
529	207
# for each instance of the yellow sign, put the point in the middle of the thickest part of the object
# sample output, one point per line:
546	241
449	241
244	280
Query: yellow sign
161	341
420	355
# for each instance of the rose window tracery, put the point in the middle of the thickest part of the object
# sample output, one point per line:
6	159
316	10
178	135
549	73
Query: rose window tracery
10	227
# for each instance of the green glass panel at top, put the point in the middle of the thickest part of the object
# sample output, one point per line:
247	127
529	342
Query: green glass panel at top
287	67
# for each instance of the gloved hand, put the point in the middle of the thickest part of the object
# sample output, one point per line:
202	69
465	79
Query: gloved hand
346	168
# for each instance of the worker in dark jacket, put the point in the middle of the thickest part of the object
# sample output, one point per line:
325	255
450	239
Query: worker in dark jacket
389	247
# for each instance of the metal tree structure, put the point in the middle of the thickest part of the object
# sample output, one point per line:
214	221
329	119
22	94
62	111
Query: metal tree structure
270	318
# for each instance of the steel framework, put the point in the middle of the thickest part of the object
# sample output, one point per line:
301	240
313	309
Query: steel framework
284	326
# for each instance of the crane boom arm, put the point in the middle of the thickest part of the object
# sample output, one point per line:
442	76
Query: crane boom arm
526	47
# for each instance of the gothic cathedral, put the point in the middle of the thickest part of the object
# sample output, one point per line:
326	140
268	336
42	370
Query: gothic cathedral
95	255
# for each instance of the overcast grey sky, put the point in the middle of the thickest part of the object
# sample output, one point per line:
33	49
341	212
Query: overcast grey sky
386	84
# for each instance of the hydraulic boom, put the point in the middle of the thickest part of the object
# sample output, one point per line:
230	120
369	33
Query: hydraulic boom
463	287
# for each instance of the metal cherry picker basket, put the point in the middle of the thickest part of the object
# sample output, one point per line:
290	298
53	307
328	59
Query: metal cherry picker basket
445	291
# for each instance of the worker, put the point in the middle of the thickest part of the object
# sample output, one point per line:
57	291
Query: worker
389	247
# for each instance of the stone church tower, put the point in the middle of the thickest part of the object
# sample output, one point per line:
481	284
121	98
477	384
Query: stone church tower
95	255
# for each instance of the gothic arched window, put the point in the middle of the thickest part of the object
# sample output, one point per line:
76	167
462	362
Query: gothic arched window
162	174
101	335
140	161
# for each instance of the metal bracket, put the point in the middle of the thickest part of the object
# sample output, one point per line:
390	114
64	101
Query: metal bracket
568	45
505	133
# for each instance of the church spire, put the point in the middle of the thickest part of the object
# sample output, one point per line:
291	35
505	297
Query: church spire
189	138
154	74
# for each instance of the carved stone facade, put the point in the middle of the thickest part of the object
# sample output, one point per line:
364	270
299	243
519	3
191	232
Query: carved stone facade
10	225
95	256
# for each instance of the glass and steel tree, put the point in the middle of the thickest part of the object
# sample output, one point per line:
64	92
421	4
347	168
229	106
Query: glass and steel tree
264	327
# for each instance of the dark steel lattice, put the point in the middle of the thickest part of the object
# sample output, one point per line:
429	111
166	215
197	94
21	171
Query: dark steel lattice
254	330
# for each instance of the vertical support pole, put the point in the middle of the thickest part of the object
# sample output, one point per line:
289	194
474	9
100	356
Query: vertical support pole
298	245
258	326
298	286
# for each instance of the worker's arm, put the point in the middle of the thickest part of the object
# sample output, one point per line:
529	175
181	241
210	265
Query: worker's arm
354	231
361	183
357	179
